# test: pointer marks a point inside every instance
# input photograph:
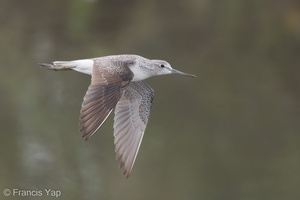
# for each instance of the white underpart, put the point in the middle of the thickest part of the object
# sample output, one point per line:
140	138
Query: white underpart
84	66
139	73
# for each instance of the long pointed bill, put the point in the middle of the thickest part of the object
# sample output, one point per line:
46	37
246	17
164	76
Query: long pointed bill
174	71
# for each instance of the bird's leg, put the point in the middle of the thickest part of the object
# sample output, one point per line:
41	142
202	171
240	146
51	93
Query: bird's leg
56	67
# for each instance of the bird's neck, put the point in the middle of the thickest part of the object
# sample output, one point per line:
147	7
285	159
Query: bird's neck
139	73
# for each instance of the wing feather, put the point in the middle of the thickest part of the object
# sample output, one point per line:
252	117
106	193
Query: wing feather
106	89
131	117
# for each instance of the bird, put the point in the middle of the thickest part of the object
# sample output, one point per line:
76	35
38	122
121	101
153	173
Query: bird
117	83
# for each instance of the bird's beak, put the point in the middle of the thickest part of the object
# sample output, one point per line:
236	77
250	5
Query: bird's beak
174	71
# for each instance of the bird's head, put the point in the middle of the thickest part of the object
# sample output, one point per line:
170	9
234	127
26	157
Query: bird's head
161	67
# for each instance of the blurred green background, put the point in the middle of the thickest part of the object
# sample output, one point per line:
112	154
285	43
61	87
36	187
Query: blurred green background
231	133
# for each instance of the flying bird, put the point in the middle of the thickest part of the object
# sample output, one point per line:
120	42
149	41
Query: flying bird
117	84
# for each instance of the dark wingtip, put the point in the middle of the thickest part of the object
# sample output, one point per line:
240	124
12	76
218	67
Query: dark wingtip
126	174
86	136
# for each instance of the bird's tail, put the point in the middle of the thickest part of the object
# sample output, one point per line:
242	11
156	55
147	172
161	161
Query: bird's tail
84	66
58	65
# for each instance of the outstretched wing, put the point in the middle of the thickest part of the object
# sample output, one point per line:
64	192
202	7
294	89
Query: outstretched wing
131	116
109	80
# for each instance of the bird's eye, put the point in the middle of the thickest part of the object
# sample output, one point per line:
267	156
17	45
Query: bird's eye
162	65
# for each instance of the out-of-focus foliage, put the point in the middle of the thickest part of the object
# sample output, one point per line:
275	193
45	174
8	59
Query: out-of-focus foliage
232	133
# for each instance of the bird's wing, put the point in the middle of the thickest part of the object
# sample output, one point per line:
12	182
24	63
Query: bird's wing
106	89
131	116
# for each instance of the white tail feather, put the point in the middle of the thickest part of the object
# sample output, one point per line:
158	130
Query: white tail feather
84	66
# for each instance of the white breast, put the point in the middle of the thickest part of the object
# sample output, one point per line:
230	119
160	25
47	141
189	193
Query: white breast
139	73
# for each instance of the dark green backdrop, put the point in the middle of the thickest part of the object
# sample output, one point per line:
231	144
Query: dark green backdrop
232	133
